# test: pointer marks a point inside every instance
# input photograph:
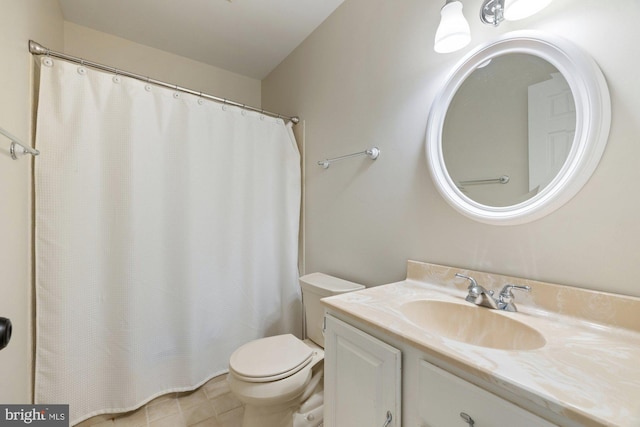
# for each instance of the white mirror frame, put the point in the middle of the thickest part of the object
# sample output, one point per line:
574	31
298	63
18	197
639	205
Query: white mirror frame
593	119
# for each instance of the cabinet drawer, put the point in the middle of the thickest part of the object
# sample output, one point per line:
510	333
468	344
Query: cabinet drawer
443	397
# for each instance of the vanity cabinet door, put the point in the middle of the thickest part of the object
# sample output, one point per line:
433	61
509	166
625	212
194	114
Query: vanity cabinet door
445	398
361	378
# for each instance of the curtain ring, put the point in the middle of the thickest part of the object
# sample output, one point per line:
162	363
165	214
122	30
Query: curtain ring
81	70
47	59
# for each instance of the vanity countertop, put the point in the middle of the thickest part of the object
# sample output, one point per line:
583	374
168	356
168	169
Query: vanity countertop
588	371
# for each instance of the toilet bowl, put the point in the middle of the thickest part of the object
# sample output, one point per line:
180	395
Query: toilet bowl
280	379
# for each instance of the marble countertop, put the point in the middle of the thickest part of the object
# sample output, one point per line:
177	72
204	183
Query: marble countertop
588	371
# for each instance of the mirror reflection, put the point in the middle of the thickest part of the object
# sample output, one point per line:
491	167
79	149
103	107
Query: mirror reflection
508	129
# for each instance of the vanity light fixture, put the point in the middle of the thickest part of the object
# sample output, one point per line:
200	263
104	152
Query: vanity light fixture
453	33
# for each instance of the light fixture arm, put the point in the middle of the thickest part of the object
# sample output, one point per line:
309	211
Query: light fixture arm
492	12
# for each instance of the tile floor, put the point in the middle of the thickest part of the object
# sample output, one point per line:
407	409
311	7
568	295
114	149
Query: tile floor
212	405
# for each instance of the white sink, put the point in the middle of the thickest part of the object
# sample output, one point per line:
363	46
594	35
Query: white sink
472	324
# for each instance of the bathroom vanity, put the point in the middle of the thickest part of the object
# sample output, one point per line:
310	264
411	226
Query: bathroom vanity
415	353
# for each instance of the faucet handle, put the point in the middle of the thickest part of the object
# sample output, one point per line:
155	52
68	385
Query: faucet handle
506	290
506	295
472	284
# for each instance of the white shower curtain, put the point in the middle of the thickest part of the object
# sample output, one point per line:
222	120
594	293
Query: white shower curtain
166	236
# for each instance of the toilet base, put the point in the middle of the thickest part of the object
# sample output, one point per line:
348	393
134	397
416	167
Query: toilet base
286	415
304	411
311	412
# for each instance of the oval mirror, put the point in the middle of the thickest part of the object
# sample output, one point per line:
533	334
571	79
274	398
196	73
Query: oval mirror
518	128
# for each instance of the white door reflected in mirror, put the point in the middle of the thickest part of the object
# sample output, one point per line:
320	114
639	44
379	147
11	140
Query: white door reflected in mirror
552	127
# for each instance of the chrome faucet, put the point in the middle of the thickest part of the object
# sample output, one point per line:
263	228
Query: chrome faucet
481	296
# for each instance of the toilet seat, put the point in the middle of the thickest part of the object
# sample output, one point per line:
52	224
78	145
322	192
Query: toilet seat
270	359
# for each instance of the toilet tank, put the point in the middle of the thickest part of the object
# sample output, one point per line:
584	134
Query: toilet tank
316	286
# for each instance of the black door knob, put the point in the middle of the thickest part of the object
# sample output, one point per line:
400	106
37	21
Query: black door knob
5	332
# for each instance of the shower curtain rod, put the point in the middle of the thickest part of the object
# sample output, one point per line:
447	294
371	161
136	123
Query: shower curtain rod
37	49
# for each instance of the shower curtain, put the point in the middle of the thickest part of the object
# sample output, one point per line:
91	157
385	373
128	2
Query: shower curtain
166	236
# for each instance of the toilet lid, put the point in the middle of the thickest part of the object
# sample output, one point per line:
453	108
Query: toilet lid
270	359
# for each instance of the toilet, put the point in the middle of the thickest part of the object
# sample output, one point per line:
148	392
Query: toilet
280	379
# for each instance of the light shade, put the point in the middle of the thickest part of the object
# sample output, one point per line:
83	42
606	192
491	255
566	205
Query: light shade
520	9
453	32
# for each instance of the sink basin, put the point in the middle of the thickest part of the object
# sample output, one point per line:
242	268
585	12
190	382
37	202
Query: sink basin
473	325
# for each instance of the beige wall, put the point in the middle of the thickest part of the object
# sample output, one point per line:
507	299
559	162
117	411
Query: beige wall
367	77
19	21
117	52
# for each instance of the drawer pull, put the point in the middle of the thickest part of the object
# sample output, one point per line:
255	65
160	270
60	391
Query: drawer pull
467	419
387	422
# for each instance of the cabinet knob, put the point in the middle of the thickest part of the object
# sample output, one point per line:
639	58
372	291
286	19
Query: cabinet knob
467	419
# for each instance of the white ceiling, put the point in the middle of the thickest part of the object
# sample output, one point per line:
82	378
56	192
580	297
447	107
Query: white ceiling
248	37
